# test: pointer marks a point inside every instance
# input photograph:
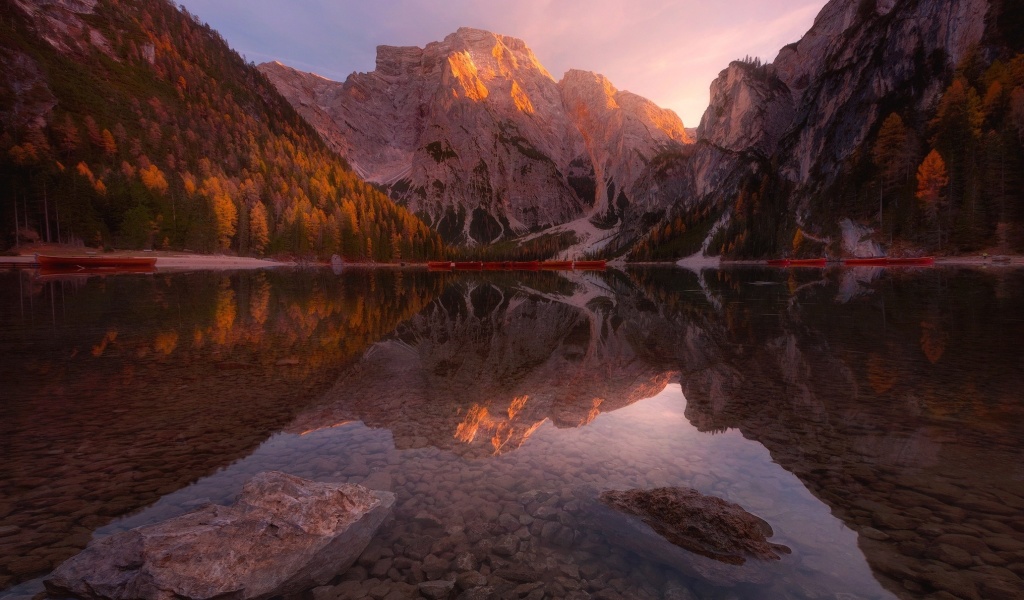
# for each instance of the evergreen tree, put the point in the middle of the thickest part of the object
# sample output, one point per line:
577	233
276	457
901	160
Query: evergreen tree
931	189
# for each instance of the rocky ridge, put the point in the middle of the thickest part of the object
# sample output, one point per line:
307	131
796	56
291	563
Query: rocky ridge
803	116
475	135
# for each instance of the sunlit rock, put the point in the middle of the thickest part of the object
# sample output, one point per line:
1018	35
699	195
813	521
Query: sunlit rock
474	133
483	368
283	535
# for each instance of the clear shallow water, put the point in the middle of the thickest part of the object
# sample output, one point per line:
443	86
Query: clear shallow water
876	425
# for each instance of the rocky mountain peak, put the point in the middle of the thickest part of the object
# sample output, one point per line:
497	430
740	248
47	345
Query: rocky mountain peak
476	136
501	54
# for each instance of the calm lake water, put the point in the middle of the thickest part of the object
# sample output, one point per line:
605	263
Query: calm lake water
875	419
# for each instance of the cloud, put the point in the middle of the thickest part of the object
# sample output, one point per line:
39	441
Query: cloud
666	50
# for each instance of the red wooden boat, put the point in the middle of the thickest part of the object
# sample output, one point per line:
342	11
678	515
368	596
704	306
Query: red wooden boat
590	264
806	262
496	266
531	265
563	265
80	263
440	265
469	266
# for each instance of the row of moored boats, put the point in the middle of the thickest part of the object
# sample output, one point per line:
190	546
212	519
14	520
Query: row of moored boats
530	265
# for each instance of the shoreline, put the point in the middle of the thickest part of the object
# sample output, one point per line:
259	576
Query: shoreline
176	261
167	261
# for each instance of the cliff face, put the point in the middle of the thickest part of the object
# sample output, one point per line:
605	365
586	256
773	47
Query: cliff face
623	133
823	97
475	135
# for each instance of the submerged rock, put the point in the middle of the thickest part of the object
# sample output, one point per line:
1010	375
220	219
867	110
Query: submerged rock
702	536
707	525
283	535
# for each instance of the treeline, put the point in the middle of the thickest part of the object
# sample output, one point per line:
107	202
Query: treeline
674	238
543	247
166	138
957	184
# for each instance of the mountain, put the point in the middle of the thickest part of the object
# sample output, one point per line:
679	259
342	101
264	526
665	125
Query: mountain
128	123
476	137
823	144
792	157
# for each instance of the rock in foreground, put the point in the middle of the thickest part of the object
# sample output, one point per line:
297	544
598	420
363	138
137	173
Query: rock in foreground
283	535
706	525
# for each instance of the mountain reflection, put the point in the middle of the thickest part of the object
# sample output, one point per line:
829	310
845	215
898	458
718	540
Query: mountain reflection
893	396
485	364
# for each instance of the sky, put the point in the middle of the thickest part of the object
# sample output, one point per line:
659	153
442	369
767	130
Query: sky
668	51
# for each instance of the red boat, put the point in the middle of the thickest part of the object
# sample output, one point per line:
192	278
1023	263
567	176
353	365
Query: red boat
560	265
95	263
440	265
590	264
806	262
875	261
469	266
525	266
778	262
496	266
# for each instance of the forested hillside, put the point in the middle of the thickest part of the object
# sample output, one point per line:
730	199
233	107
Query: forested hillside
128	123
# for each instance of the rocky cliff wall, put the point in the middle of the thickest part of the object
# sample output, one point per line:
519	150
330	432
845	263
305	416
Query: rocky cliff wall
474	134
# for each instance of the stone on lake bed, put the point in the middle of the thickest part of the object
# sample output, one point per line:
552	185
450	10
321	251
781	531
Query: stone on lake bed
283	535
701	536
707	525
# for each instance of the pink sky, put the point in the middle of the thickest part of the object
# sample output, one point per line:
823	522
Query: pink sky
666	50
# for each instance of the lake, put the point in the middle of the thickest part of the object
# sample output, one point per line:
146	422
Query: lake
873	418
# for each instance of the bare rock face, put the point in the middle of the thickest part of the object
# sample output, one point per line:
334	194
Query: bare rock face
820	101
622	133
62	25
283	535
473	134
707	525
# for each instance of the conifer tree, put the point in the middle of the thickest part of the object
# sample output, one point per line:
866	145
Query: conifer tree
931	188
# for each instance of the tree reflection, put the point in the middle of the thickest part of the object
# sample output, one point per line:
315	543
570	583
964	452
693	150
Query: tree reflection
121	389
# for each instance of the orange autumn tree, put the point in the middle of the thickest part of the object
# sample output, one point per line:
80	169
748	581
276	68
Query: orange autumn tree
931	186
259	231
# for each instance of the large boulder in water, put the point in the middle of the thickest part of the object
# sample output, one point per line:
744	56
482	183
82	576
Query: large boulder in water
284	534
703	536
707	525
